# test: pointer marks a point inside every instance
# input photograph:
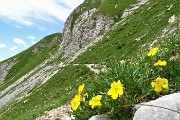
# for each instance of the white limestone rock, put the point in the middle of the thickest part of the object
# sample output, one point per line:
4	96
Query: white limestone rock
4	69
100	117
163	108
79	33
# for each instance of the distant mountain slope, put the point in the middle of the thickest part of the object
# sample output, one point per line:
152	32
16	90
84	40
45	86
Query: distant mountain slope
47	75
33	56
21	66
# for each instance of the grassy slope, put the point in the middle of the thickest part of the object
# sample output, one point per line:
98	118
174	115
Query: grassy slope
121	40
27	60
50	95
119	45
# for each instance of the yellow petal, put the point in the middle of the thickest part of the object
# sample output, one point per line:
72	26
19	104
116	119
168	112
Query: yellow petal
92	106
80	89
153	84
113	84
98	97
164	63
98	103
110	92
91	102
118	82
158	88
75	102
120	92
165	85
155	64
114	96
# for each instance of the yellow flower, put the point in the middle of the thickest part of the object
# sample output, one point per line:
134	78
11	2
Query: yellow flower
95	101
152	51
160	63
116	89
80	89
159	84
85	96
75	102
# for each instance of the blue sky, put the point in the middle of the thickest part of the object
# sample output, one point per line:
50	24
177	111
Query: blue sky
25	22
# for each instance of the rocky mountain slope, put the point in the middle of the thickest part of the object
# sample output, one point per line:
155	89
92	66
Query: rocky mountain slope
46	75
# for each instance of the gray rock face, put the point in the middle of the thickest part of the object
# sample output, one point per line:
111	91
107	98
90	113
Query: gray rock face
4	68
100	117
80	32
163	108
61	113
133	7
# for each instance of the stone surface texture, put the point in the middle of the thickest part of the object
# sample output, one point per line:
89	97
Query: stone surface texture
4	69
100	117
163	108
61	113
80	32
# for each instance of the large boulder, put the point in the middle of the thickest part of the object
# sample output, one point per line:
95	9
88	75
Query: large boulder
163	108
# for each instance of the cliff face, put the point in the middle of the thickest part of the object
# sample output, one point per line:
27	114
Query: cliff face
4	68
80	32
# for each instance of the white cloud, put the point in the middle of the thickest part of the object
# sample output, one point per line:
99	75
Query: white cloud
42	28
13	48
31	37
19	41
33	42
31	12
2	45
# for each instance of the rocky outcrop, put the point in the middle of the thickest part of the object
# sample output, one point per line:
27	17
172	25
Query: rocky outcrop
80	32
61	113
26	83
4	68
133	7
163	108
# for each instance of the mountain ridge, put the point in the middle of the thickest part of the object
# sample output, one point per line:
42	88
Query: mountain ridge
89	30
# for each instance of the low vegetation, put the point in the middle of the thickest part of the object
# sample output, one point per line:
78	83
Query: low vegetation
132	69
129	82
57	91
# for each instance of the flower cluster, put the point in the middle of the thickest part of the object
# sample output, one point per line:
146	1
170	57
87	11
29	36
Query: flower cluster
115	91
75	103
111	98
159	83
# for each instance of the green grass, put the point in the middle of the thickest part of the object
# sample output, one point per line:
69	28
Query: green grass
136	80
50	95
121	43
